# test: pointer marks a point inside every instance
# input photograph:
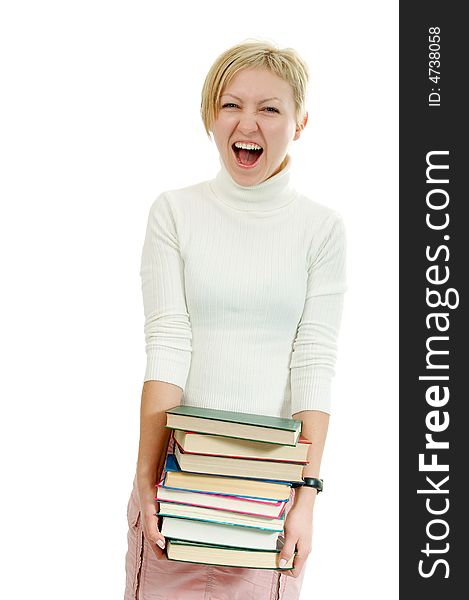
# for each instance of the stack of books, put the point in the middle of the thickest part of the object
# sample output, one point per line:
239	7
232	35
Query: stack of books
224	490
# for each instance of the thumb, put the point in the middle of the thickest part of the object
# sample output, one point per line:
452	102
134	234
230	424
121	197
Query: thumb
286	553
151	529
157	536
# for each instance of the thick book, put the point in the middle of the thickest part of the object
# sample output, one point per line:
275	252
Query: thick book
218	534
247	506
176	479
223	517
261	428
238	467
217	445
228	557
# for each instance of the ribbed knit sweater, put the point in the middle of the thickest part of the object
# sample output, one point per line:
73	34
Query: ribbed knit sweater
243	291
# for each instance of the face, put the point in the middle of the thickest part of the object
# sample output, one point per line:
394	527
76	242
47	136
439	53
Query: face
255	125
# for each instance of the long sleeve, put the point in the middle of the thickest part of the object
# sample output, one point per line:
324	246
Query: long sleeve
167	327
315	347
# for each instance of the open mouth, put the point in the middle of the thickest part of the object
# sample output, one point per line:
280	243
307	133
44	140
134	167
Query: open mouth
247	155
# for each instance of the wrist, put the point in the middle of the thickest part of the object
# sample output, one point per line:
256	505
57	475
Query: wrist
313	482
146	487
305	496
307	490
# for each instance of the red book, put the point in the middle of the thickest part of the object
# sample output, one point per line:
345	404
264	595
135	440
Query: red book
217	445
236	504
257	468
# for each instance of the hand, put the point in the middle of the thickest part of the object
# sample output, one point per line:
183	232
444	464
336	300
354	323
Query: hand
151	531
298	533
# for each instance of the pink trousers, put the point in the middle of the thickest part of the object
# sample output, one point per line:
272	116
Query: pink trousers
148	578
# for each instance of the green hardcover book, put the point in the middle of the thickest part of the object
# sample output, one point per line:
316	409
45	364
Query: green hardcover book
225	556
260	428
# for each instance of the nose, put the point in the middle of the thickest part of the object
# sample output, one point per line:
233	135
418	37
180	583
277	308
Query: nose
247	123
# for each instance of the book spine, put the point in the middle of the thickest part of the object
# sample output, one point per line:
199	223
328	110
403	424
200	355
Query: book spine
237	456
268	501
258	498
222	509
278	481
230	523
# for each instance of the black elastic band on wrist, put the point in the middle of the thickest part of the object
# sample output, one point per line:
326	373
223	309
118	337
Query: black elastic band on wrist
313	482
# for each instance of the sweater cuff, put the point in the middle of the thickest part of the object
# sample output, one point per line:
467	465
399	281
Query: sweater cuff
310	392
164	364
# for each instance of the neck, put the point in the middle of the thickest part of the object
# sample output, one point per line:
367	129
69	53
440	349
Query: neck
271	194
283	164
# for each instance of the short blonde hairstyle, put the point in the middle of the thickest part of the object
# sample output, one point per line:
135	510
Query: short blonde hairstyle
284	62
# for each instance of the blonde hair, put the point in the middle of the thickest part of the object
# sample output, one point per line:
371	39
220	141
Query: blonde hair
284	62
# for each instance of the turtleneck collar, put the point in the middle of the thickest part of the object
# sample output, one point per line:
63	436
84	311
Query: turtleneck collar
271	194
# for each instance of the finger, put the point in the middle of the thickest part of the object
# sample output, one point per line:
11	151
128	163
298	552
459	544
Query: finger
159	552
299	561
153	535
286	552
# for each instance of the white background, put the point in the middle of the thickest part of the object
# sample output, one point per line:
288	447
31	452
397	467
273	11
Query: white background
100	113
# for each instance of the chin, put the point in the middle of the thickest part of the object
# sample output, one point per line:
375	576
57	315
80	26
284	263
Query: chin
248	179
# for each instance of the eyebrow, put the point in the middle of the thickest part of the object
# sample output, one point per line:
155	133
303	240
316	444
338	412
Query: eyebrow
260	101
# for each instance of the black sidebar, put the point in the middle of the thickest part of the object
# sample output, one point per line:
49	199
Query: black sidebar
434	268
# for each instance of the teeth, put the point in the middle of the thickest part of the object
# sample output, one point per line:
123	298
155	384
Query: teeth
247	146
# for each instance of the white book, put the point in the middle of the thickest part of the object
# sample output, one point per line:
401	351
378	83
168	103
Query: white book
221	535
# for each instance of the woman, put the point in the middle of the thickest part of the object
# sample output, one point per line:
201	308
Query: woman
243	280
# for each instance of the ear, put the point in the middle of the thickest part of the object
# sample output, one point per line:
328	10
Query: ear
300	127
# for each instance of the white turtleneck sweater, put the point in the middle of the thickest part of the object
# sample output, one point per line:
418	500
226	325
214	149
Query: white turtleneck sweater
243	290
